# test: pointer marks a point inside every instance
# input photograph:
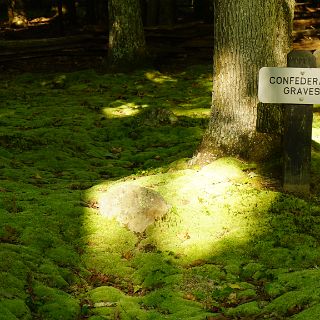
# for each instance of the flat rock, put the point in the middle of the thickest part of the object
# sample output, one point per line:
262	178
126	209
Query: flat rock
133	206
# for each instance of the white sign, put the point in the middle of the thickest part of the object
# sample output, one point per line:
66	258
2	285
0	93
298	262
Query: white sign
289	85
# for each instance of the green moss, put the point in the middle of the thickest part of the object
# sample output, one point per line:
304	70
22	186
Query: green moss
17	307
64	256
251	269
311	313
55	304
63	133
11	286
105	294
107	263
171	304
152	269
287	301
130	309
105	313
246	309
13	261
49	274
208	272
35	237
5	314
117	304
247	294
274	289
301	279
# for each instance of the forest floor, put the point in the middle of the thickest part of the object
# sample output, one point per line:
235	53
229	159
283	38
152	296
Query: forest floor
232	246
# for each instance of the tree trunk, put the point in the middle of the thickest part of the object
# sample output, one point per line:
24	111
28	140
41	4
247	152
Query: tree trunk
127	47
249	34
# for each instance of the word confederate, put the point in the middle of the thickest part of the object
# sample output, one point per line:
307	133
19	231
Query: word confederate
314	82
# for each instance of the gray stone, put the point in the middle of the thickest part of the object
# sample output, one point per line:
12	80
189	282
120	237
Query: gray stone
133	206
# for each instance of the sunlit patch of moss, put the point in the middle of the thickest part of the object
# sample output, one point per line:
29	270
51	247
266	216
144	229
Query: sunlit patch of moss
191	111
107	244
157	77
195	224
124	110
203	215
316	134
315	169
107	234
315	159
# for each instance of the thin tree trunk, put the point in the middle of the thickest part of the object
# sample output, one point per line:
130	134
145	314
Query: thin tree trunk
249	34
127	47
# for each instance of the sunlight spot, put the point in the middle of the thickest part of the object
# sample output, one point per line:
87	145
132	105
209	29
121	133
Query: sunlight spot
316	134
125	110
106	243
212	209
190	111
157	77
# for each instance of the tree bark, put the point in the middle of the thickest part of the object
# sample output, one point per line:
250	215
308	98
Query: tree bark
248	35
127	47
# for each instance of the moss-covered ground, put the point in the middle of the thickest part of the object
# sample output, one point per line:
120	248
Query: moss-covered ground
232	246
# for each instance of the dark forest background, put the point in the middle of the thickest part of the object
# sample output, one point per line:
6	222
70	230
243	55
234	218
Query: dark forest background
76	32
